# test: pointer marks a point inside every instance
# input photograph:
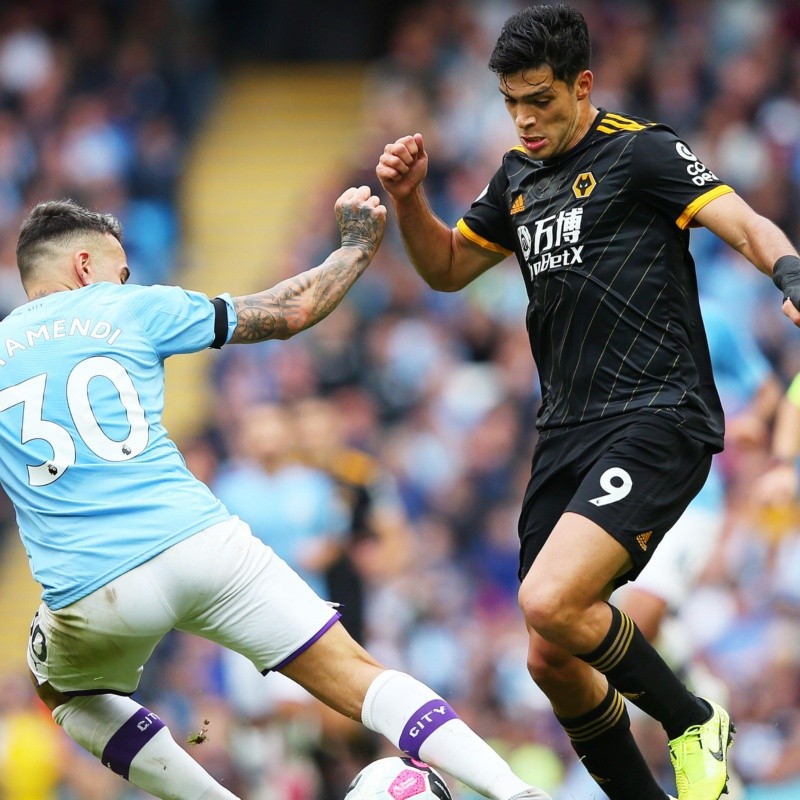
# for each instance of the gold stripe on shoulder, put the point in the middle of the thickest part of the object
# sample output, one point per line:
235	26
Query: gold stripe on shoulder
617	123
479	240
619	118
688	213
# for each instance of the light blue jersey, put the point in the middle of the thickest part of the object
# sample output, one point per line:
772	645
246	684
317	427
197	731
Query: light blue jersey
97	485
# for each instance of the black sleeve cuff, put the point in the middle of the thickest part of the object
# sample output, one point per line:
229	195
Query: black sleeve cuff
220	323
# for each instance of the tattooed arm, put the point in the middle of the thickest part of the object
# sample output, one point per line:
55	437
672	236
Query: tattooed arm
302	301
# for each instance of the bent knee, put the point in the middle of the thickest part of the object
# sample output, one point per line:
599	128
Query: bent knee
547	612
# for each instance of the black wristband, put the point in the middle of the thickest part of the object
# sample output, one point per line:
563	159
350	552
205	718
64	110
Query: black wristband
220	323
786	276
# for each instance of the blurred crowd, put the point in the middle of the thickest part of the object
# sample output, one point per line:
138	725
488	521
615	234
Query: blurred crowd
385	452
97	102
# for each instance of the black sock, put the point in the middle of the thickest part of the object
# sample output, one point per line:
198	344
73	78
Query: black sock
603	740
634	667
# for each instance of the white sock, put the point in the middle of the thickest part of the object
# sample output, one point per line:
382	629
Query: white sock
423	725
134	743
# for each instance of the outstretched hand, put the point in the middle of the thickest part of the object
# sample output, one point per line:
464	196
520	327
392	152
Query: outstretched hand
402	166
361	219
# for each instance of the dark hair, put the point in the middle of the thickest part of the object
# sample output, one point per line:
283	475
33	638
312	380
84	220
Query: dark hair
555	36
57	219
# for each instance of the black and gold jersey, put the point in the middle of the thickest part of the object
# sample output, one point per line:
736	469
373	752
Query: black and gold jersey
600	234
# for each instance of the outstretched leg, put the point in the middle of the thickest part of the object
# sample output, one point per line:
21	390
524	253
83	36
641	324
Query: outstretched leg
341	674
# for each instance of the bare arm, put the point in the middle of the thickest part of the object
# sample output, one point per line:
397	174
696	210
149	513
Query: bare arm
760	241
444	257
303	300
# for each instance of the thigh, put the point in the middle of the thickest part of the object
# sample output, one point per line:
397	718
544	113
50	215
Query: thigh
101	642
553	482
246	598
576	567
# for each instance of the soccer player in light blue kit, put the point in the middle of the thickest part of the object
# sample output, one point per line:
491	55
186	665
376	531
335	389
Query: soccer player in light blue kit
128	545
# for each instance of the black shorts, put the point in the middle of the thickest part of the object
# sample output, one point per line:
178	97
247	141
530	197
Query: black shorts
633	475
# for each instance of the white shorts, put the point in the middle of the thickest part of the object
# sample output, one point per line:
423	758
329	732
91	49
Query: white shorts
223	584
681	556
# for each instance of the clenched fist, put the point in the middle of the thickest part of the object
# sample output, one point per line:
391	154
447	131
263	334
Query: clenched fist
403	166
361	219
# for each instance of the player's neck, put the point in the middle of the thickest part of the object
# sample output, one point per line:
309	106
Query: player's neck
49	286
587	120
39	292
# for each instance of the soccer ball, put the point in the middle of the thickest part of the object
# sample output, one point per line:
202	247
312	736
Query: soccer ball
398	778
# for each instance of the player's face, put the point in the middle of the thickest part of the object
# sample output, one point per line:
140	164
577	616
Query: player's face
550	116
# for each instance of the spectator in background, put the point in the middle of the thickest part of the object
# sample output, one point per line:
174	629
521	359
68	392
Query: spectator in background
290	506
375	541
294	507
99	105
779	485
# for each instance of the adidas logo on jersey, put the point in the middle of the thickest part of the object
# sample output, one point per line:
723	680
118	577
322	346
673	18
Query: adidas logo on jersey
518	205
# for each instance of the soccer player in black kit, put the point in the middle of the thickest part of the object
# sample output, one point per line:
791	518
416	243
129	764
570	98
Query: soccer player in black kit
596	208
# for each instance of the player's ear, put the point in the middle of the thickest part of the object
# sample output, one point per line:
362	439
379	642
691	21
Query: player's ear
583	84
82	267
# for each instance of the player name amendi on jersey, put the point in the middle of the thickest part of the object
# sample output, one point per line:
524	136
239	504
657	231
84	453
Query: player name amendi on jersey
58	329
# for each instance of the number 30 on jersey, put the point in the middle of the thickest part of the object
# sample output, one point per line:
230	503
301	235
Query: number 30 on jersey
30	393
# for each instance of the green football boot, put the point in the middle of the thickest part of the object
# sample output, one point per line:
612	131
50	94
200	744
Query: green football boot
700	757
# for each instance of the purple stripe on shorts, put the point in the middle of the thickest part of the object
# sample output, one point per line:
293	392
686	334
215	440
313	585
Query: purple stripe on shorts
329	624
126	743
424	721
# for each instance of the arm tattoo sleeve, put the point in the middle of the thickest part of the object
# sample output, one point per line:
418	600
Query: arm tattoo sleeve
300	302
